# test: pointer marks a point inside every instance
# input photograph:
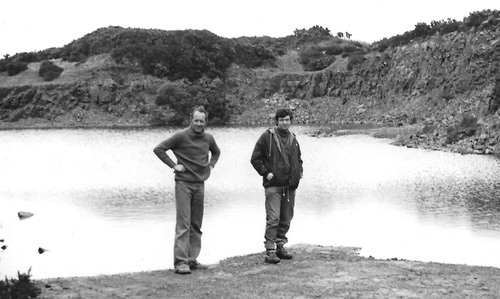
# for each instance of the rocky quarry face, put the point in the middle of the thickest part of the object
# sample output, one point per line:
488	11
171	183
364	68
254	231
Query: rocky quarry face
104	101
435	83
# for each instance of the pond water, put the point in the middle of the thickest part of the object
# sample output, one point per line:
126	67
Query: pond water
103	203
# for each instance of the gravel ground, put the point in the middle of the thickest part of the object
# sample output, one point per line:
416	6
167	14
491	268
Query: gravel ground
314	272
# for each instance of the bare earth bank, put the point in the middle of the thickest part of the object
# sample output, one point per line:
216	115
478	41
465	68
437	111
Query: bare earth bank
314	272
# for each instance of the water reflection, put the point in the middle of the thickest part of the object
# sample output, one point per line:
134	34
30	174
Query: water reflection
103	203
473	197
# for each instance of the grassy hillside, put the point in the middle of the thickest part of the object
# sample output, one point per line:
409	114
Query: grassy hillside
193	66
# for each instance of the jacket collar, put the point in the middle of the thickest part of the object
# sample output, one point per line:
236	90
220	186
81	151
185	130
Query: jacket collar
274	136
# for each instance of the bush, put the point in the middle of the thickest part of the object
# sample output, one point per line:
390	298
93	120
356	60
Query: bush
488	18
350	49
320	63
253	56
382	45
28	57
444	27
171	94
175	55
421	30
280	46
314	34
49	71
15	67
309	54
355	59
476	18
20	288
3	65
467	127
334	50
315	59
182	98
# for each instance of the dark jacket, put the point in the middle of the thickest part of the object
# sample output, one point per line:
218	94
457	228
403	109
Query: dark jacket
268	156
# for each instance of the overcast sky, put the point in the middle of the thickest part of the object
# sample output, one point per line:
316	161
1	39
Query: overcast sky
34	25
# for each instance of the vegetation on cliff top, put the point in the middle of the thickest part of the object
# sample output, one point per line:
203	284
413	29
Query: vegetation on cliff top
192	54
485	19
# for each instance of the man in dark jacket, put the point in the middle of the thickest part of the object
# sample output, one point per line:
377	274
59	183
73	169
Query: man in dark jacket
277	158
192	148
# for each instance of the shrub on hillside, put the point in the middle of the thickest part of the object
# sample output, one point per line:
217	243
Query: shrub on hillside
3	64
277	46
15	67
171	94
320	63
182	54
281	45
315	59
476	18
182	98
421	30
355	59
444	27
309	54
20	288
314	34
49	71
486	19
28	57
253	56
349	49
334	50
467	127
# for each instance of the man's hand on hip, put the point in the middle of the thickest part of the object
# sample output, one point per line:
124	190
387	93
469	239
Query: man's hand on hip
179	168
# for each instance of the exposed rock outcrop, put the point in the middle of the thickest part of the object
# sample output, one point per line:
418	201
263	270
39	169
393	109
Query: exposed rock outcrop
433	83
442	68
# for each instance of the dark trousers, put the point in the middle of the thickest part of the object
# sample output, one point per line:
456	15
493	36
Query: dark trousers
280	202
189	203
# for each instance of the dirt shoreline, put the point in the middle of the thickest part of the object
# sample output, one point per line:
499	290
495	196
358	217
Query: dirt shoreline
314	272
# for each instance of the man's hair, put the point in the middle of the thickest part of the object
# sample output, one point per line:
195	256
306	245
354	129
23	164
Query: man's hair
199	109
283	112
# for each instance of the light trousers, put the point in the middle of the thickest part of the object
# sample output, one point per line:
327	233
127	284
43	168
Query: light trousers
189	203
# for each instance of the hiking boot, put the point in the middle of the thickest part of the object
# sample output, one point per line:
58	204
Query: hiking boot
195	265
271	257
282	254
182	269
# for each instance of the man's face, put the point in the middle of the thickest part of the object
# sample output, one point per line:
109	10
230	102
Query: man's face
198	122
284	122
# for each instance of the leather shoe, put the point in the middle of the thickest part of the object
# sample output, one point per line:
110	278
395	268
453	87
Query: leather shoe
197	266
271	257
282	254
182	269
